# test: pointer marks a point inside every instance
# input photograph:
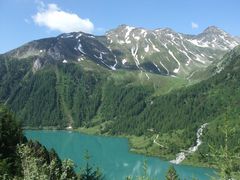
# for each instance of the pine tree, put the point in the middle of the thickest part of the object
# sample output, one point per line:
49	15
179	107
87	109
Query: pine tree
88	173
172	174
10	135
67	170
223	158
145	175
32	167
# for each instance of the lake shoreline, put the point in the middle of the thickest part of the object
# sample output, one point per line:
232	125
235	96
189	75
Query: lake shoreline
110	153
130	138
188	161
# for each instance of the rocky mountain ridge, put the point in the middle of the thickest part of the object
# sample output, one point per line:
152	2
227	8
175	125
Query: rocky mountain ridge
161	51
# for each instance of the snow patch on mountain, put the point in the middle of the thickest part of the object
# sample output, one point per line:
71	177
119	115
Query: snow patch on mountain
199	59
116	62
80	59
198	43
176	70
134	51
129	29
186	54
100	57
68	35
144	33
153	46
80	48
91	36
124	61
147	76
164	67
136	37
146	49
79	35
157	67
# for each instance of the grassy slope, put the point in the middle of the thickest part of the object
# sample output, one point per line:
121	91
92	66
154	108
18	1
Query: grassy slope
161	84
208	101
76	88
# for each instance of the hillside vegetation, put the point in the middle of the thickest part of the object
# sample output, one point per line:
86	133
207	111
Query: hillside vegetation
122	102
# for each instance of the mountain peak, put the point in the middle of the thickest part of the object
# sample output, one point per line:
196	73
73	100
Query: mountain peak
124	26
165	30
73	34
213	29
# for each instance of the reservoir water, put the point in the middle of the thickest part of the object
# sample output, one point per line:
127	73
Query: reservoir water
111	155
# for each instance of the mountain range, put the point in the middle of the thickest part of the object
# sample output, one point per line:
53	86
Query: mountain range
131	81
160	51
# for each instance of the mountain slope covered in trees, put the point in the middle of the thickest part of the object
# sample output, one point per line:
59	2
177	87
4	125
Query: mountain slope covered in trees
73	80
23	159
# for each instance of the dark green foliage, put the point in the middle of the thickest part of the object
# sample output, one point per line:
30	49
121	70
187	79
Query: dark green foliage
122	103
12	71
225	155
88	172
190	107
70	94
172	174
39	150
49	161
187	108
53	156
10	135
37	102
81	92
58	95
12	161
214	137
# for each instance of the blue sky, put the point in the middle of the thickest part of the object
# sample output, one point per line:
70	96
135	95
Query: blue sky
25	20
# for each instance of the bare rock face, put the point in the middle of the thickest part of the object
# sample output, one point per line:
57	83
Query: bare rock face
160	51
36	65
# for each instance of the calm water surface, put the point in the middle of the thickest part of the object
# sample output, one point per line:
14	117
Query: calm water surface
111	154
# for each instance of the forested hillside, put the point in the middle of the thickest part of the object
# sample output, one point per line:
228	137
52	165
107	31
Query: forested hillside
73	94
204	102
59	95
184	110
28	160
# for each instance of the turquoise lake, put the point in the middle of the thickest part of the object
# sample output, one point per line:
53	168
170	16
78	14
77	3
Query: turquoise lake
111	154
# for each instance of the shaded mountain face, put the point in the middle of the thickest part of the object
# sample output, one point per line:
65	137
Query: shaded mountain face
160	51
67	48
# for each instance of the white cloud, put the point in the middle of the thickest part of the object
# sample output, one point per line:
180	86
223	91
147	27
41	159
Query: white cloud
194	25
54	18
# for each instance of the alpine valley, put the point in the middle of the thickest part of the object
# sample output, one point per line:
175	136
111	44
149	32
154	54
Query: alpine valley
156	87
